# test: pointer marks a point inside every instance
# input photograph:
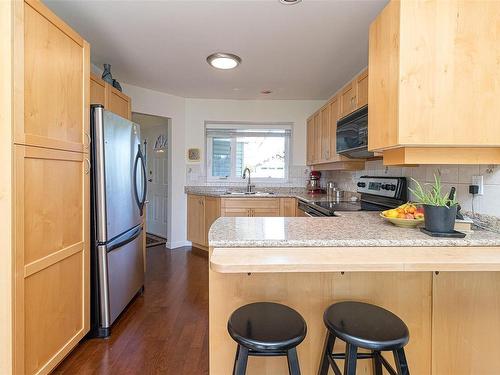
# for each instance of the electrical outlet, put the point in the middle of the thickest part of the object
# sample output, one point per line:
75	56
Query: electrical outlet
478	180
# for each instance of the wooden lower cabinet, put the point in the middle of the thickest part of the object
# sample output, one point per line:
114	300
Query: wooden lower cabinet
288	207
212	213
453	317
196	219
52	261
202	211
466	323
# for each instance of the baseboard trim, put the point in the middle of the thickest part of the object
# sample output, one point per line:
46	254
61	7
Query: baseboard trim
175	245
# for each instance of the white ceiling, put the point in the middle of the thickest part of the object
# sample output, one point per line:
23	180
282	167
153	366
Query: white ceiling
302	51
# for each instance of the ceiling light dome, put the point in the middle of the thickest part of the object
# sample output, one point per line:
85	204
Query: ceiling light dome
224	60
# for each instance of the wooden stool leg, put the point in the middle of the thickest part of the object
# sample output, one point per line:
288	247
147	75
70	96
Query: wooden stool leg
327	349
377	365
351	356
236	358
293	362
401	364
241	362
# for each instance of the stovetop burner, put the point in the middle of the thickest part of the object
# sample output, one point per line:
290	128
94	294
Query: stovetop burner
335	206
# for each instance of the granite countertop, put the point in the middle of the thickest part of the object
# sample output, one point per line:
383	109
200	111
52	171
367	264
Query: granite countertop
297	193
351	229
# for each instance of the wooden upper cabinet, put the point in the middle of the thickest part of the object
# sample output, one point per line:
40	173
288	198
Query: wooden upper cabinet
348	99
112	99
317	138
56	64
310	141
434	82
118	102
324	129
362	89
97	90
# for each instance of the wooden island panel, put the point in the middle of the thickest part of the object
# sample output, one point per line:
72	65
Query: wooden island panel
407	294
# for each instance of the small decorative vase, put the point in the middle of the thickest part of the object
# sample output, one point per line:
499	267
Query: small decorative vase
106	74
440	219
117	85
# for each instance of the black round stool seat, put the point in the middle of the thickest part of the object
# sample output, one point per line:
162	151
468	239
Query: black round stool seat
267	326
366	326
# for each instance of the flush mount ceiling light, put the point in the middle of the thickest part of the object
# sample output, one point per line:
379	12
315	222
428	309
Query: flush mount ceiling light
224	60
290	2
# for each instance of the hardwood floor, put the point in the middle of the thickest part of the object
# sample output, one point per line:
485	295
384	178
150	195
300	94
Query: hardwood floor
165	331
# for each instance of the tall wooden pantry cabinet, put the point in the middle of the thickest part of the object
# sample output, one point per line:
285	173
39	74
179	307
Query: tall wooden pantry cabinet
45	151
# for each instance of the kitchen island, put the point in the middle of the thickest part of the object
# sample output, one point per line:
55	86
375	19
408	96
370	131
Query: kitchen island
446	290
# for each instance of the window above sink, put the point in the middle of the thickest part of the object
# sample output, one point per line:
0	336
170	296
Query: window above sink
264	148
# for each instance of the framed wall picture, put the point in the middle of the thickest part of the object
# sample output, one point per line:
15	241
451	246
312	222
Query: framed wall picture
194	155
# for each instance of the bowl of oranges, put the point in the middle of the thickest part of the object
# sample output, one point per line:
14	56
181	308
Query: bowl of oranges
407	215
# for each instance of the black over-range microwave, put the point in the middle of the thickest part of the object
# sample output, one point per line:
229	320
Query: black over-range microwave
352	135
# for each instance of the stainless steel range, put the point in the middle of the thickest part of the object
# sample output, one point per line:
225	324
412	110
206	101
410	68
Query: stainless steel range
377	194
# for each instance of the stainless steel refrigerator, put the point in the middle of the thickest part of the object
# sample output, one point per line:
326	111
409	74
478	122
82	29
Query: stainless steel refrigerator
118	188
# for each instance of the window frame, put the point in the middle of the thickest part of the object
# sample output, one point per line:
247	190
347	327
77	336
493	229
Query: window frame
246	125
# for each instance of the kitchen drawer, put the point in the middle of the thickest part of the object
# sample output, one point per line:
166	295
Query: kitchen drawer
256	203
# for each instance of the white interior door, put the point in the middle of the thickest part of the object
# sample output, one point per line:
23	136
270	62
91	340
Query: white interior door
157	171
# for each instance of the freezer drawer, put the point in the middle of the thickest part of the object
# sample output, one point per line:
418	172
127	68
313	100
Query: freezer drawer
121	277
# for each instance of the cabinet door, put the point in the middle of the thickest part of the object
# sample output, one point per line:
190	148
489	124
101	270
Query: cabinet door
265	212
196	219
317	138
287	207
347	100
334	116
325	133
52	255
56	64
118	102
237	212
466	322
362	89
97	90
212	213
310	140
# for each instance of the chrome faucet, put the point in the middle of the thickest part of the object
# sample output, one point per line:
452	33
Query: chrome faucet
249	184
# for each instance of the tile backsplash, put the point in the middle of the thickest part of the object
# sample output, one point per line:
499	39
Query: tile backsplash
196	176
459	176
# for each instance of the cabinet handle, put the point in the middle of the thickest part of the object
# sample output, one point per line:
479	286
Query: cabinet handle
87	135
87	166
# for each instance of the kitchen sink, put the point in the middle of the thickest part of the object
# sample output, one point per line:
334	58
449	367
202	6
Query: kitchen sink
243	193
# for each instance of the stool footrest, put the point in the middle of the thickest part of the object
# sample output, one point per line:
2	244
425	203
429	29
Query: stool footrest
333	356
276	353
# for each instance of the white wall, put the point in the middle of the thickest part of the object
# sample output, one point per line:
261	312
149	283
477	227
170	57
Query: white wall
161	104
256	111
295	111
187	130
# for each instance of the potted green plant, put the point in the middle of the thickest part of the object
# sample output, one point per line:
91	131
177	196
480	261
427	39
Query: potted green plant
440	209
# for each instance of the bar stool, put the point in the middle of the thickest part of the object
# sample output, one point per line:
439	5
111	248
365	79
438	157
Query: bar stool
361	325
266	329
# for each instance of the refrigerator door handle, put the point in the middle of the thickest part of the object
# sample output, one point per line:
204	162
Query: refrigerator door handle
140	200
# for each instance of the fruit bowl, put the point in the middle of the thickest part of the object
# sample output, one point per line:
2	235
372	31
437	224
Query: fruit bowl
407	215
403	223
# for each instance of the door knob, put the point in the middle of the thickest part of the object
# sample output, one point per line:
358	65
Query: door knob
150	180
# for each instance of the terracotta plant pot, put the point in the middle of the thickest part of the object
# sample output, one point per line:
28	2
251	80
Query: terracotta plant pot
440	219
